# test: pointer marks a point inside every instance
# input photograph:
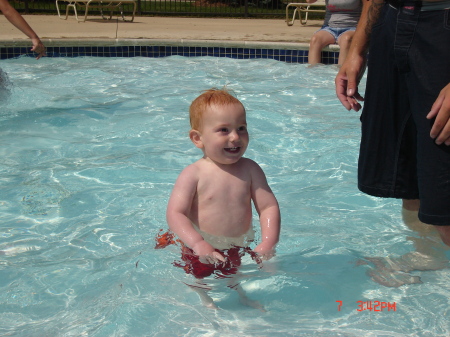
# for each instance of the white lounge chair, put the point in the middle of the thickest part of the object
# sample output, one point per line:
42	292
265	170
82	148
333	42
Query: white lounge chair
110	5
304	7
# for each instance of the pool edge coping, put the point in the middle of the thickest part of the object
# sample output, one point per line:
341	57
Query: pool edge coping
163	42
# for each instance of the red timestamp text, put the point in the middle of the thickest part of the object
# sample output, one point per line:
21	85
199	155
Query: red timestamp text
377	306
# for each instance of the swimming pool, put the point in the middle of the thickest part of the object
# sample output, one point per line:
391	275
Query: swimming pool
90	150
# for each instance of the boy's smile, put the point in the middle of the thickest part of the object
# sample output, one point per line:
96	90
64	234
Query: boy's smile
233	149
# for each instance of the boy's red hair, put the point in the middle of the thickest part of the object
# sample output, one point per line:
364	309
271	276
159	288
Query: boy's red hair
208	98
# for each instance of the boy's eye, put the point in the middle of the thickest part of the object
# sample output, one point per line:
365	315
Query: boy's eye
223	130
242	128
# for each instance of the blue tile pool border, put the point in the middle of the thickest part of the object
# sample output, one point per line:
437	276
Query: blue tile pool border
290	53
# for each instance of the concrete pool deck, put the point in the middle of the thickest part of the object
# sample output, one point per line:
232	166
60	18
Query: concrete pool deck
51	29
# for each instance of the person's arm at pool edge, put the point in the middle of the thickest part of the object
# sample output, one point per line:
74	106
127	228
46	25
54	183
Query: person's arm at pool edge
18	21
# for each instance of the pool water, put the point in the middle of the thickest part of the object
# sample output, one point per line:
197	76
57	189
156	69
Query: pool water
90	149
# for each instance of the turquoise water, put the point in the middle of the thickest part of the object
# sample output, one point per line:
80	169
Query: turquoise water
90	149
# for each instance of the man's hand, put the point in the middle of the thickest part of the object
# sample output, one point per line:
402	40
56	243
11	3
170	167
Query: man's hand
347	81
440	131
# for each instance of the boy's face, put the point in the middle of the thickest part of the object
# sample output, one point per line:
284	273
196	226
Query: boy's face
223	137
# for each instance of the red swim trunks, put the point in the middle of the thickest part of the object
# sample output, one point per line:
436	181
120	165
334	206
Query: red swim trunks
192	265
191	262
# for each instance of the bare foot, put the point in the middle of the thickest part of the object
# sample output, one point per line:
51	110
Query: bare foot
390	278
243	298
252	303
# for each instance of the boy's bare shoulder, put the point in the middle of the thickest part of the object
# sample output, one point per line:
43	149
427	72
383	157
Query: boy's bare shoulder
195	168
191	170
249	163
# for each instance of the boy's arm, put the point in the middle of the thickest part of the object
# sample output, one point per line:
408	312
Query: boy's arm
353	68
269	213
17	20
177	212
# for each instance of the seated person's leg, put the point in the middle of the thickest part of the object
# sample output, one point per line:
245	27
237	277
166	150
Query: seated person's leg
344	41
319	40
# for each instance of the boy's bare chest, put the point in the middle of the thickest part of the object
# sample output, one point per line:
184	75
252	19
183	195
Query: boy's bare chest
223	185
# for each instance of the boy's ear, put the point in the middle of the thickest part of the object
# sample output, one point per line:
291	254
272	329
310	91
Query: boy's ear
196	138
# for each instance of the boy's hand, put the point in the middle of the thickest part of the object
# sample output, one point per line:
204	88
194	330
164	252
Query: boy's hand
264	253
207	254
213	258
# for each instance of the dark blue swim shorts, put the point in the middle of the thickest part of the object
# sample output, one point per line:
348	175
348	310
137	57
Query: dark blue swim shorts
409	64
